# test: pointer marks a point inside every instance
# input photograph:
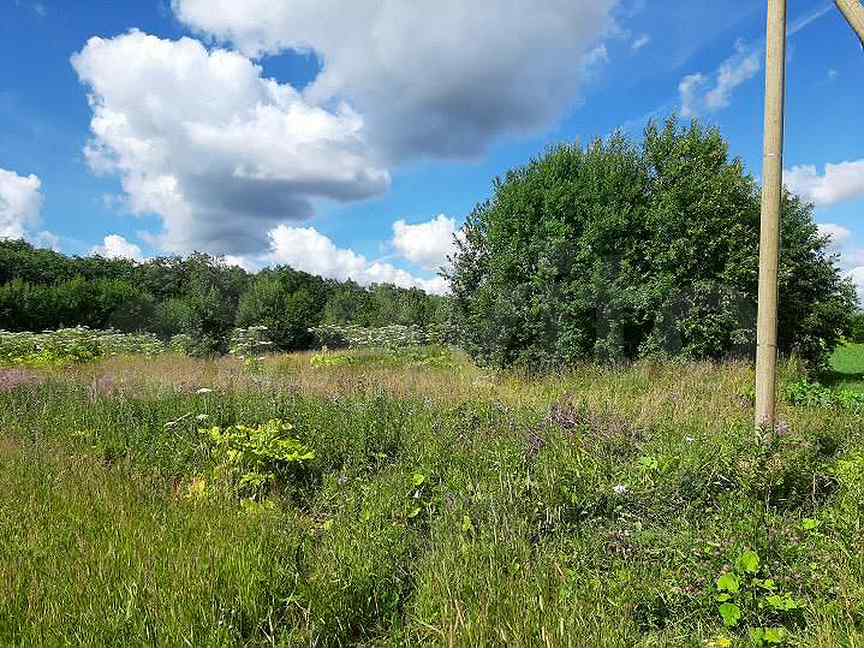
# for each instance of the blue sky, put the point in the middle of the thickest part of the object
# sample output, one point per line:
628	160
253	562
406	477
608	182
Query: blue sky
352	142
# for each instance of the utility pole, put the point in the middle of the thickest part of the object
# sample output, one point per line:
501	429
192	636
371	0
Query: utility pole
854	13
772	193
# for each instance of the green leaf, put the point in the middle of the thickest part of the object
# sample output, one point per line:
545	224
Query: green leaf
723	597
467	526
729	583
730	613
775	636
783	603
649	463
748	562
809	524
757	636
414	512
767	584
418	479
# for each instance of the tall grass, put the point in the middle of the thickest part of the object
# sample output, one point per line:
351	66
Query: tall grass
444	506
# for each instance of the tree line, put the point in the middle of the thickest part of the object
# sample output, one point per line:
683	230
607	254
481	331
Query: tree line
608	252
199	296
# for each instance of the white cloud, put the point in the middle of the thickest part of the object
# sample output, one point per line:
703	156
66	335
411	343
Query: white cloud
640	42
839	182
838	234
305	248
20	204
426	244
849	258
698	94
115	246
857	276
833	74
689	90
221	153
436	79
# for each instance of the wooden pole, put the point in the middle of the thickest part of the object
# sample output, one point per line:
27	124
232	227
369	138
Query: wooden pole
772	192
854	13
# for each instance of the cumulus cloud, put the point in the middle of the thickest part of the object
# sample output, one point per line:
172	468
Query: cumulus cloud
428	244
838	183
115	246
221	153
436	79
20	204
305	248
700	93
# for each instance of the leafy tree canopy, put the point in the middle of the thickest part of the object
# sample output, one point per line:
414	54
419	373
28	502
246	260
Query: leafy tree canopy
621	250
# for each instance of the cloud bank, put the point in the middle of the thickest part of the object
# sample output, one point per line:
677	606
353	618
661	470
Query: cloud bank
838	183
305	248
20	204
439	79
221	153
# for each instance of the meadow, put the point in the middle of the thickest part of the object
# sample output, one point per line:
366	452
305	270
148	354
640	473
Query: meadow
407	497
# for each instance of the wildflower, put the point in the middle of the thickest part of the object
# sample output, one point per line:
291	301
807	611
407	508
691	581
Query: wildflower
783	429
620	489
13	378
204	390
201	417
690	439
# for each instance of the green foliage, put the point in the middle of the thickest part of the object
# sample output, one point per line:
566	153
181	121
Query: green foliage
742	596
117	562
395	336
617	251
256	459
856	330
596	507
68	346
250	342
416	356
199	297
811	394
331	359
288	303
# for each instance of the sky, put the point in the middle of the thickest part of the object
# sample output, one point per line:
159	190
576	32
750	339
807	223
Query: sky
351	140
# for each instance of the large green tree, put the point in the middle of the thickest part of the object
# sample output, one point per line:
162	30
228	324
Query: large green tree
288	303
620	250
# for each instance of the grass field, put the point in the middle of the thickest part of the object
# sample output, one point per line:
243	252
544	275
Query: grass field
418	500
848	366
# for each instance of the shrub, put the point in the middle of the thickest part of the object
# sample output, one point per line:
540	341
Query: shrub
395	336
619	250
254	459
71	345
812	394
249	342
